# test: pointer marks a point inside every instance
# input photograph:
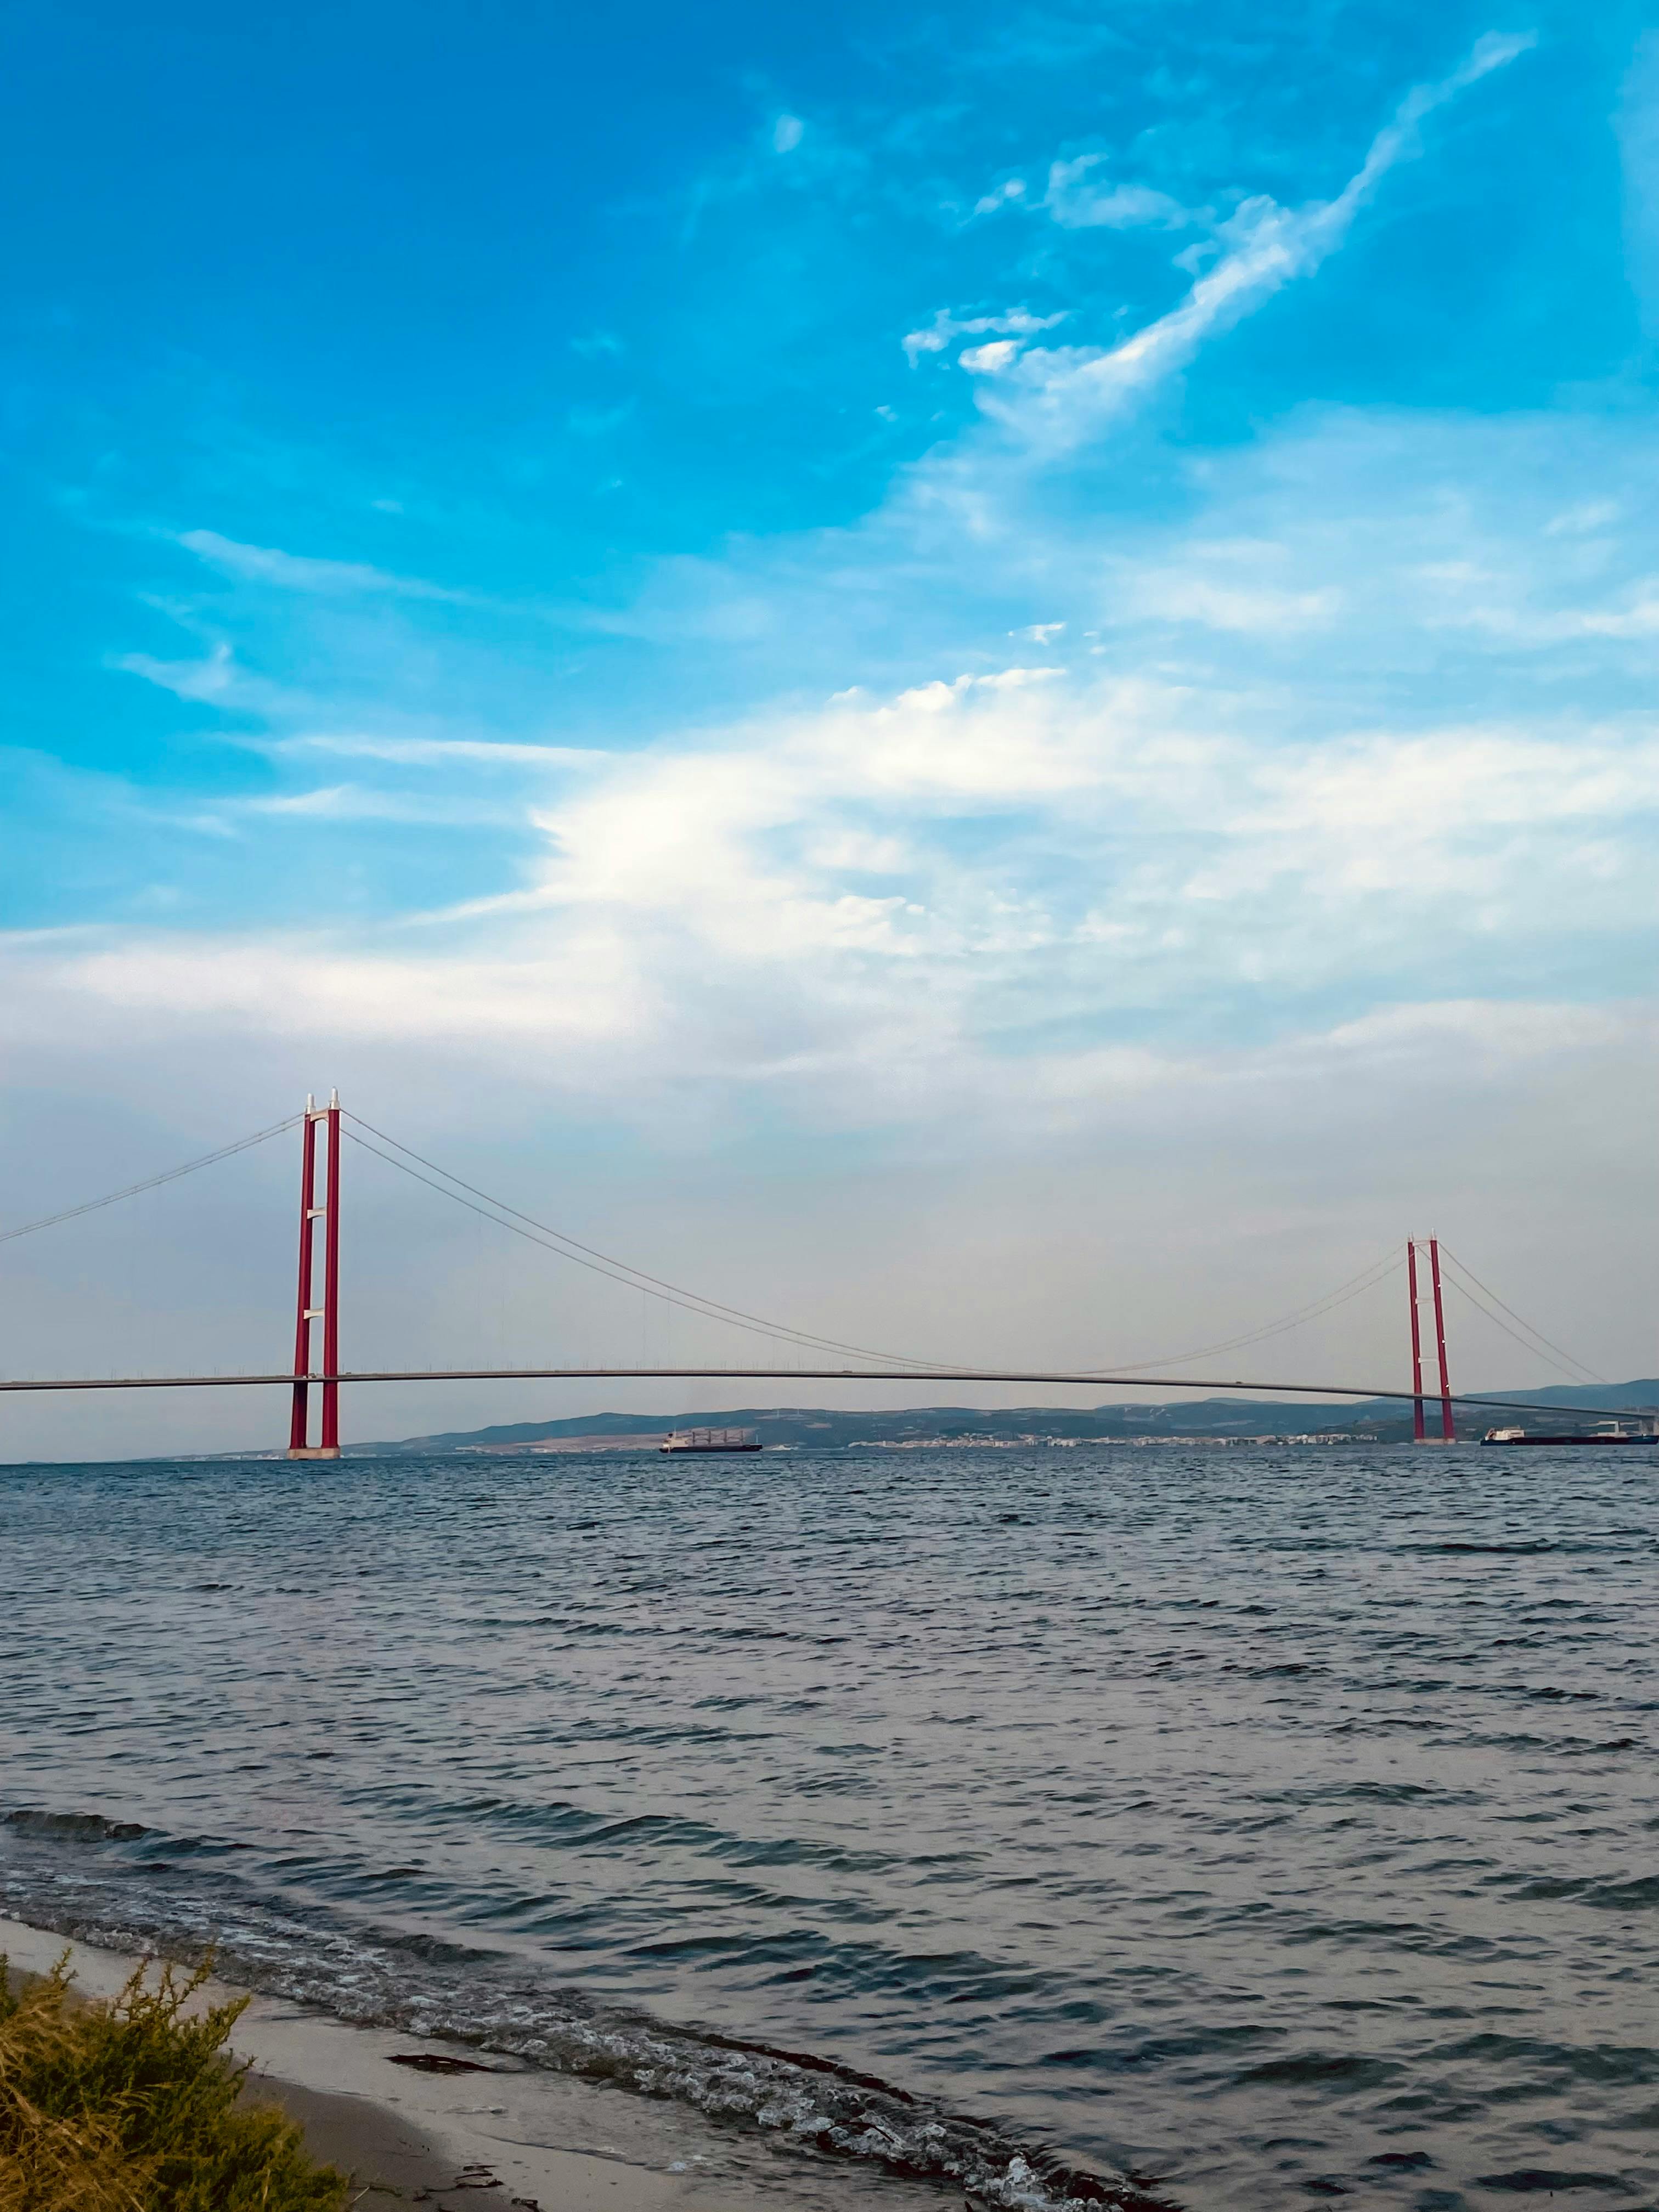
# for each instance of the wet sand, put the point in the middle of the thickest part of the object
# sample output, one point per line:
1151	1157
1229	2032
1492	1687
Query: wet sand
475	2141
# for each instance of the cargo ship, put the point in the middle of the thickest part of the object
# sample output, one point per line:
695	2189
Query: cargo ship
1605	1432
710	1440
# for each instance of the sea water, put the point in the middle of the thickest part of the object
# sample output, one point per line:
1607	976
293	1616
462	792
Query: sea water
1233	1826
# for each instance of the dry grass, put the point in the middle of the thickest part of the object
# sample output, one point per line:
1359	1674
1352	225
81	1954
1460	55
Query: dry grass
133	2107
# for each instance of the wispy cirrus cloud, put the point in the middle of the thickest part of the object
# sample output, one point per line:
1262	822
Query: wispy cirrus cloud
351	802
295	572
213	679
1053	398
431	753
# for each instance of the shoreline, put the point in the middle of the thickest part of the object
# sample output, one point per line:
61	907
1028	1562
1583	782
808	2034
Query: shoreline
497	2135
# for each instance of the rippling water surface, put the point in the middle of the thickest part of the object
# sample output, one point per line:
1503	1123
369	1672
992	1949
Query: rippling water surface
1257	1824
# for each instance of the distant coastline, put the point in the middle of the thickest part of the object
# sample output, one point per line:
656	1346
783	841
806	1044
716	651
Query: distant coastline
1204	1421
821	1428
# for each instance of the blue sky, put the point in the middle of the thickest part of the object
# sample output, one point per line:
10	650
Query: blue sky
816	590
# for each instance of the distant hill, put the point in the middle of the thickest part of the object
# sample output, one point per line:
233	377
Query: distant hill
825	1429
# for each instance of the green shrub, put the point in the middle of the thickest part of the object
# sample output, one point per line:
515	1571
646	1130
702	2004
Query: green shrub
135	2106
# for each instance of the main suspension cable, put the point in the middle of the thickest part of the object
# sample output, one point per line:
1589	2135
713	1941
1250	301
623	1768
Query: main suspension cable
151	1182
1560	1354
694	1302
1578	1375
1367	1279
620	1271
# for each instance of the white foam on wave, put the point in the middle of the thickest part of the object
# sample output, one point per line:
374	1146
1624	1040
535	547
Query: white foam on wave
439	1990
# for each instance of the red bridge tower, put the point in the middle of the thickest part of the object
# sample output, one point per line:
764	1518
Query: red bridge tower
1448	1430
299	1444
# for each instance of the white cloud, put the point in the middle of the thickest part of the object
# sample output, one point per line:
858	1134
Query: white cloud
1588	516
349	802
945	328
1146	851
786	133
292	572
989	359
1226	602
1078	201
426	752
1501	813
210	679
216	679
1010	193
1639	617
1060	396
1496	600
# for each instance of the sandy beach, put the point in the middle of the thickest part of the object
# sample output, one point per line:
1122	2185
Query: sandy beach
502	2136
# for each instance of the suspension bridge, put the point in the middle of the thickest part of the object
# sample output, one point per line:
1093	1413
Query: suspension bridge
315	1376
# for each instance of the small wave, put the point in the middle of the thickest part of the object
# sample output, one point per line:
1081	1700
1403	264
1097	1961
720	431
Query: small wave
1529	2180
1640	1895
1450	1548
1323	2069
90	1828
1608	2065
430	1988
576	1827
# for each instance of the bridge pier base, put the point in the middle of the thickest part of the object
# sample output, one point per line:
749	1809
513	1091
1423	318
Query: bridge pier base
313	1452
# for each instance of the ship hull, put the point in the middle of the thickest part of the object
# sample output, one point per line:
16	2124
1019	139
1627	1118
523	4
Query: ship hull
1512	1443
703	1451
